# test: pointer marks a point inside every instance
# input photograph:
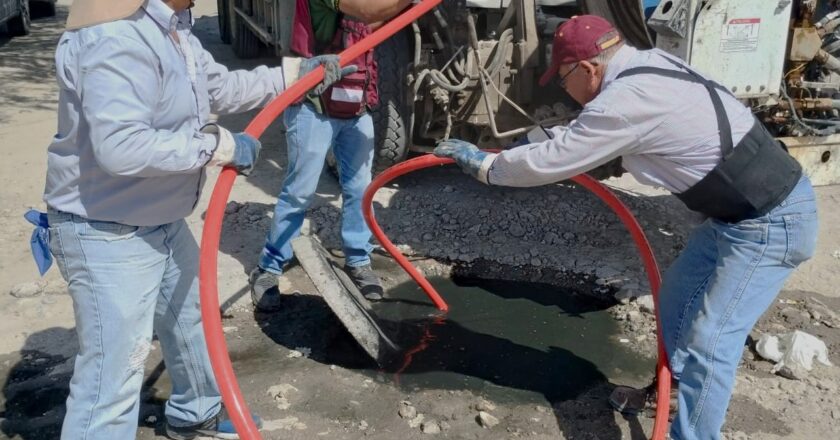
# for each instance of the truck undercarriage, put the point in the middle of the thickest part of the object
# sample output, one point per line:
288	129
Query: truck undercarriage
470	69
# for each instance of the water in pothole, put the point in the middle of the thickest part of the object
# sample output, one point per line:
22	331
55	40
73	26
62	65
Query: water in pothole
502	336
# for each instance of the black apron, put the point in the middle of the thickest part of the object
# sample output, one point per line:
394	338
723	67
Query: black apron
751	179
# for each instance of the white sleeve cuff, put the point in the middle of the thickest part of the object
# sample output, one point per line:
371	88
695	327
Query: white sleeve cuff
225	145
484	169
291	70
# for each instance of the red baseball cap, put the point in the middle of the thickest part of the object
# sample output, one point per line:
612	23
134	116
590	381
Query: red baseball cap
576	40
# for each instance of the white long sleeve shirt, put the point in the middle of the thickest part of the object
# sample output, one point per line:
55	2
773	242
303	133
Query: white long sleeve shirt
129	146
664	129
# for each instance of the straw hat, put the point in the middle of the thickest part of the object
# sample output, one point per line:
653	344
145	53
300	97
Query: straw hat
84	13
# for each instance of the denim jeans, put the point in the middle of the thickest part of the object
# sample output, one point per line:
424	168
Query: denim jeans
309	136
126	283
715	292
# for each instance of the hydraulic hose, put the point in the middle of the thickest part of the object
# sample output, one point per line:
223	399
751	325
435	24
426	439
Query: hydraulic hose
208	263
663	375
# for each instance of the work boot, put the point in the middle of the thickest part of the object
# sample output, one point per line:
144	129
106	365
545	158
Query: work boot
366	281
219	426
634	401
265	293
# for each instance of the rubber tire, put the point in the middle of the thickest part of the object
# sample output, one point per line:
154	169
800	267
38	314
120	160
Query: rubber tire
244	42
222	7
22	24
42	9
391	117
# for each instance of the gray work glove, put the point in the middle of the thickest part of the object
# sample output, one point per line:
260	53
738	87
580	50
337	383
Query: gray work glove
245	153
332	71
237	150
465	154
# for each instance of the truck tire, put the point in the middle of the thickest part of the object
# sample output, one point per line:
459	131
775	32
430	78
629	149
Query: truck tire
244	41
42	9
22	23
222	7
391	116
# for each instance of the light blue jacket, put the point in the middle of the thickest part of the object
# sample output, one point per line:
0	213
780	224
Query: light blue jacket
132	103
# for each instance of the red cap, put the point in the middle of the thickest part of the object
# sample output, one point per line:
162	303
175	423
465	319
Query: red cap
577	40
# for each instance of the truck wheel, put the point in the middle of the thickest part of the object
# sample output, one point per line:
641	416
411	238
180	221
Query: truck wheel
391	116
21	24
224	20
42	9
244	41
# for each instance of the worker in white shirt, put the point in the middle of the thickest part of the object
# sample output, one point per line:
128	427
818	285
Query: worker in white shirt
126	166
674	128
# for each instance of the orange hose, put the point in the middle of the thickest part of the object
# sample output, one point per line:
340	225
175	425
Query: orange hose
651	267
208	264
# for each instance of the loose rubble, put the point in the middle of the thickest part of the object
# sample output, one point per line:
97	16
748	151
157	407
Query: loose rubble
486	419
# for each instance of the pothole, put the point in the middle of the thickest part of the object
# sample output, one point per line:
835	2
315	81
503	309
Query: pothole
502	335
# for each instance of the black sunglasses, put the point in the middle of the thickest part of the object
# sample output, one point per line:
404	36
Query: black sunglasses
562	81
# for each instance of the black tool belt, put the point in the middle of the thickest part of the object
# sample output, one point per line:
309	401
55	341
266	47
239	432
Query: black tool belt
751	179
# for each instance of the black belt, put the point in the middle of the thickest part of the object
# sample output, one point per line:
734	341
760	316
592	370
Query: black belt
751	179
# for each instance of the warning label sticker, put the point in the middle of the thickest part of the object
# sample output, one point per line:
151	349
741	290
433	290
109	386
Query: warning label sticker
740	35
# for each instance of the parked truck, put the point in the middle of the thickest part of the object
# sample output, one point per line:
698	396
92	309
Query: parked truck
470	68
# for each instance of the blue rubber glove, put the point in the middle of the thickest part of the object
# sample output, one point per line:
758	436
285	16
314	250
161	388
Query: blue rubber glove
332	71
245	153
466	155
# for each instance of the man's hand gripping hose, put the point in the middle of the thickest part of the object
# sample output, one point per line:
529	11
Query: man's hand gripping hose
211	316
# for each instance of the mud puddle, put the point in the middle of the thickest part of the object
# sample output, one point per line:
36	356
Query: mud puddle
501	336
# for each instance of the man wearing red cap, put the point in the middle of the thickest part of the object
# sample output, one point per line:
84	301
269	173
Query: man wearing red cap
674	128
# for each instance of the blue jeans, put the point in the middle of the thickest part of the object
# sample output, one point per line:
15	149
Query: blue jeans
715	292
126	283
309	136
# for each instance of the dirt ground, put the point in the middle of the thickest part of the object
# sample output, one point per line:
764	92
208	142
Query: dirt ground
306	376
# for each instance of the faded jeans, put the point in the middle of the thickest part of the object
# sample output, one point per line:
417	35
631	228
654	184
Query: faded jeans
309	136
715	292
126	283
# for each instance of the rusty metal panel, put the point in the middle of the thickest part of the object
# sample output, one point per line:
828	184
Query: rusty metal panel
819	157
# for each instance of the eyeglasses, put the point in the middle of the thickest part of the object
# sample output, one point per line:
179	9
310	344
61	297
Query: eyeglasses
562	81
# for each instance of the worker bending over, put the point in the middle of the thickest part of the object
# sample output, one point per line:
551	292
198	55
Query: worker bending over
675	128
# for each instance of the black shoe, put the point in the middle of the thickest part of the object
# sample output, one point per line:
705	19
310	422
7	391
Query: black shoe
219	426
634	401
265	293
367	281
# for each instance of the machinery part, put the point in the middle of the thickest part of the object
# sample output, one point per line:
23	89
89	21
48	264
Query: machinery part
672	19
819	159
626	15
805	45
621	210
244	41
345	300
391	116
42	9
743	42
815	104
223	8
828	61
208	264
22	24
